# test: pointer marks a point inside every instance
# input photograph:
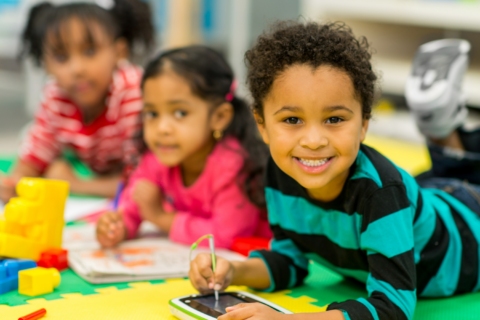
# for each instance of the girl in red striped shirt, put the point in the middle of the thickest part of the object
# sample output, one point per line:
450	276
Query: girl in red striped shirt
92	103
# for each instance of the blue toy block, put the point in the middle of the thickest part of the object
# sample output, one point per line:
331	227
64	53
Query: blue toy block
9	273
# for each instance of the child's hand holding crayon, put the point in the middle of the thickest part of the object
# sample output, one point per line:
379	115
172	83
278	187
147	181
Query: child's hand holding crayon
110	229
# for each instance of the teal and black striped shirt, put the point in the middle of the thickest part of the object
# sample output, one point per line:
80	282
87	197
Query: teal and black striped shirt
402	241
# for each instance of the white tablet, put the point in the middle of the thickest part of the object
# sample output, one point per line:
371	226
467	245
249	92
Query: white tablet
206	307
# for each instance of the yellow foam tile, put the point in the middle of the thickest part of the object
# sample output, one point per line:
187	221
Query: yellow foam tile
412	157
37	301
141	301
140	284
301	304
4	308
71	295
107	290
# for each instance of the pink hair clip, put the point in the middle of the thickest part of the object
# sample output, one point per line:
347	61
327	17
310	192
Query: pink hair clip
231	93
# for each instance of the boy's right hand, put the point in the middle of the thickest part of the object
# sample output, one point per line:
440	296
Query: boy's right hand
110	229
202	277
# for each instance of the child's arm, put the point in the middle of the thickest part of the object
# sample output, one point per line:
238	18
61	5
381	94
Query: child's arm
282	267
103	186
100	186
147	170
149	199
252	273
8	183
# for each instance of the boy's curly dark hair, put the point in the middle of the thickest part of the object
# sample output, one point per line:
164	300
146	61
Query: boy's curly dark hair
289	43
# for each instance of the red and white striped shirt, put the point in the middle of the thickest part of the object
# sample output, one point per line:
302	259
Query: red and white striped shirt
103	144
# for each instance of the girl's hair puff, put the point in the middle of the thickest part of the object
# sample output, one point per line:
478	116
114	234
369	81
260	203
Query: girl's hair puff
128	19
289	43
210	78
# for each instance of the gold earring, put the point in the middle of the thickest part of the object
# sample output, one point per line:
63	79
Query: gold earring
217	134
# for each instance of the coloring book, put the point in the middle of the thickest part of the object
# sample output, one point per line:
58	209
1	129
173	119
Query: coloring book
146	258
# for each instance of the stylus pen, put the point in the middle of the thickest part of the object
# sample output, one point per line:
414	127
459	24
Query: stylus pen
214	260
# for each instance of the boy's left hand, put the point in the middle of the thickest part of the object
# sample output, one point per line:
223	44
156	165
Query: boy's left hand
252	311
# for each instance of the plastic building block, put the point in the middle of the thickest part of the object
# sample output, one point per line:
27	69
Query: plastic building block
9	273
54	258
33	221
245	245
37	281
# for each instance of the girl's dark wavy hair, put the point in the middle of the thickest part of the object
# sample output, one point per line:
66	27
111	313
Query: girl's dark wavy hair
128	19
210	78
289	43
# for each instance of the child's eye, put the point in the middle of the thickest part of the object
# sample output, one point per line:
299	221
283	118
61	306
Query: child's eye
179	114
334	120
292	120
90	51
60	57
148	115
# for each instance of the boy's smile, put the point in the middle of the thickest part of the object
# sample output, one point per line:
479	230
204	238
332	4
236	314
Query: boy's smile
313	123
313	165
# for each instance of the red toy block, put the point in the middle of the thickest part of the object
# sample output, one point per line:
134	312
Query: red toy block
245	245
54	258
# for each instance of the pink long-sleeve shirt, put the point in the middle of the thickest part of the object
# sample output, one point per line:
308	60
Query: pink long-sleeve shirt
214	204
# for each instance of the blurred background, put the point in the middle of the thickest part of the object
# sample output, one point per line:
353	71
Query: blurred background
395	29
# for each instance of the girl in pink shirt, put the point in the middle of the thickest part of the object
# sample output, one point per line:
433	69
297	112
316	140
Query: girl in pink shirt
203	169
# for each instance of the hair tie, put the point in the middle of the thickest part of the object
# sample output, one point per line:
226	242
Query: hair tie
231	92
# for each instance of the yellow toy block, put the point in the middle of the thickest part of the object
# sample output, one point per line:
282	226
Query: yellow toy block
37	281
33	221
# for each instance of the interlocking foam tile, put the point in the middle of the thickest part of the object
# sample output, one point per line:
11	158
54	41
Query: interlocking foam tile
294	304
140	301
410	156
71	283
143	300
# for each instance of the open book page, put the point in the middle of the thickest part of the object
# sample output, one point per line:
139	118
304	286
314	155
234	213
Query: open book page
80	207
144	258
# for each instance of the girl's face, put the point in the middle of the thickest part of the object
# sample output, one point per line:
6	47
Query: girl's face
82	64
313	125
178	125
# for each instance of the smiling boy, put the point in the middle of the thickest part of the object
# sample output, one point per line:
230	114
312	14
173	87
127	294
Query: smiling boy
335	201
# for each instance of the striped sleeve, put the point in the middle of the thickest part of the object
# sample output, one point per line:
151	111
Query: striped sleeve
287	266
131	123
41	146
387	238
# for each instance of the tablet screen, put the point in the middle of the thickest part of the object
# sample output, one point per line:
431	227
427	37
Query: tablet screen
223	302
